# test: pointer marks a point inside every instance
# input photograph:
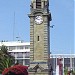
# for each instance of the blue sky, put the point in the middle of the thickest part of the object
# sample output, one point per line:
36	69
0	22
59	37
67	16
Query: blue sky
61	36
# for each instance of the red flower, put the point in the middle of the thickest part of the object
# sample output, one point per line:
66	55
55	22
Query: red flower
17	69
5	71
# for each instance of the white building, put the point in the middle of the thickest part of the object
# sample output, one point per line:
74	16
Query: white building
68	61
20	50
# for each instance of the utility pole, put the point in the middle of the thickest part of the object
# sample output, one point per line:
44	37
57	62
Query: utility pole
14	27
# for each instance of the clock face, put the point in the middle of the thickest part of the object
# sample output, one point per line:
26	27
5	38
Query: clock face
38	19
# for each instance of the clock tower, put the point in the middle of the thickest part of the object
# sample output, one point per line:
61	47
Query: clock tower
40	18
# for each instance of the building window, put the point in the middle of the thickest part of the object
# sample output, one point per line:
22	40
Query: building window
73	63
20	61
27	61
12	48
20	47
20	55
38	38
38	4
27	54
27	47
66	62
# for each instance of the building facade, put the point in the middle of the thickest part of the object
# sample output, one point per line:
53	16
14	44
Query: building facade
68	61
20	50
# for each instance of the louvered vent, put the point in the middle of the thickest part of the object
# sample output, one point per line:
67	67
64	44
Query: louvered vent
38	4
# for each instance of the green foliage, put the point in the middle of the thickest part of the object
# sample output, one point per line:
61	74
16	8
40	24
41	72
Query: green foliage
73	72
6	60
65	71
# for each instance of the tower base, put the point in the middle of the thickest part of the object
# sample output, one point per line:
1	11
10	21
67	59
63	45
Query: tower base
39	70
39	73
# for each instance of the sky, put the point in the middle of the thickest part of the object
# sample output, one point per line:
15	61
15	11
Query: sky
14	22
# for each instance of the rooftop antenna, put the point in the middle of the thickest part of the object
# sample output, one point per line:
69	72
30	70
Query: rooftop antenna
14	27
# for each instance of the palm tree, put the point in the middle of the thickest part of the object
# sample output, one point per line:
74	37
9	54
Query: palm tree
6	60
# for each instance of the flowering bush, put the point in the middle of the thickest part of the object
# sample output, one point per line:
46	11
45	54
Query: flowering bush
16	70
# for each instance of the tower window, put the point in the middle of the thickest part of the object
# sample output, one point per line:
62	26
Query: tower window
38	38
38	4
